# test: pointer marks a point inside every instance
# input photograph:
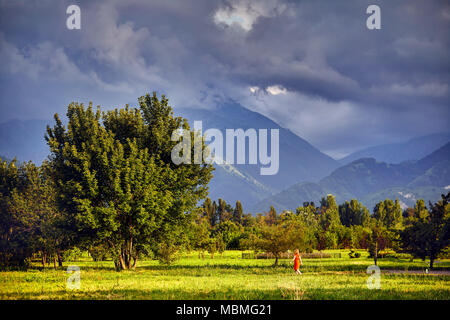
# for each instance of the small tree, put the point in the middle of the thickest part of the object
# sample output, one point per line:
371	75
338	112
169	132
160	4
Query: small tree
278	238
167	253
199	235
378	239
216	244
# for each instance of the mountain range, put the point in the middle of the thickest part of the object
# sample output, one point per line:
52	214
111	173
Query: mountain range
370	181
412	149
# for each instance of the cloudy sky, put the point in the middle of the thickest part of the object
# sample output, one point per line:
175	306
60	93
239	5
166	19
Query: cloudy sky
311	66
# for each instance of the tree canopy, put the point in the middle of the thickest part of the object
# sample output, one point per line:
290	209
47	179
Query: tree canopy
115	178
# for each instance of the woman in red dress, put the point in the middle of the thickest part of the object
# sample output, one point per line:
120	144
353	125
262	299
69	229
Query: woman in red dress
297	261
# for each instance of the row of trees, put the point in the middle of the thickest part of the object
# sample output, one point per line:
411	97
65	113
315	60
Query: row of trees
34	224
421	231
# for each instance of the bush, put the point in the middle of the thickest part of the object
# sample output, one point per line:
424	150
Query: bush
353	254
248	255
167	253
73	254
100	253
399	256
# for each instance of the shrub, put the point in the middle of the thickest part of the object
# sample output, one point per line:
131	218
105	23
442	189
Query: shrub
167	253
248	255
399	256
353	254
100	253
73	254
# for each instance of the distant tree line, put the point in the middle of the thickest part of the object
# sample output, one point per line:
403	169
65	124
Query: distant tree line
420	231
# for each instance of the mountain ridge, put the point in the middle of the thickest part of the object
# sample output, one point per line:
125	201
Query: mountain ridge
412	149
364	178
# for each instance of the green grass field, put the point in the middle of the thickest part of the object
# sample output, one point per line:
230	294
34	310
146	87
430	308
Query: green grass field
228	276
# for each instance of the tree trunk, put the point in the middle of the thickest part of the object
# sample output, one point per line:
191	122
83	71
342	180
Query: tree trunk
117	264
43	259
60	260
130	253
125	256
54	261
276	260
431	262
122	261
375	255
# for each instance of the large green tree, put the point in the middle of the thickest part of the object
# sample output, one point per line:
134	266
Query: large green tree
429	232
389	213
329	223
116	180
351	213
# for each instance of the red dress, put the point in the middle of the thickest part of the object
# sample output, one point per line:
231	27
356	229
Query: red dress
296	262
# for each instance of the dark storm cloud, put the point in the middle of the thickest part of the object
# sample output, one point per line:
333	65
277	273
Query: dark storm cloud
313	66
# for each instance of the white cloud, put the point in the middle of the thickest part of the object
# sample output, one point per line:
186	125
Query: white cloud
14	61
276	90
34	61
49	62
319	121
254	89
120	46
244	13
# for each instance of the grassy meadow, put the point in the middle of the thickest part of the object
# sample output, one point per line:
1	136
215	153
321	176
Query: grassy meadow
228	276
